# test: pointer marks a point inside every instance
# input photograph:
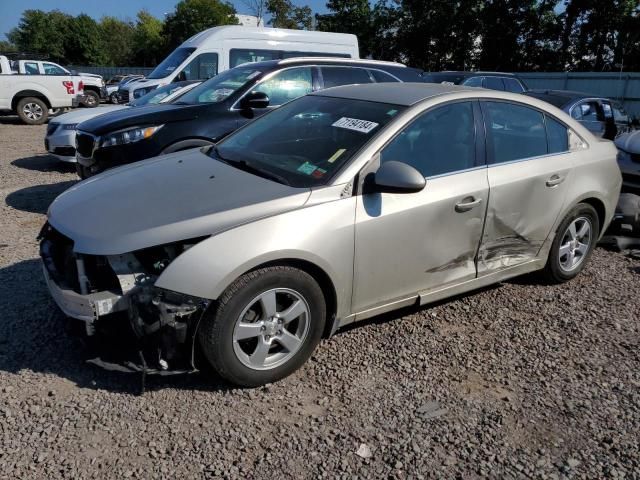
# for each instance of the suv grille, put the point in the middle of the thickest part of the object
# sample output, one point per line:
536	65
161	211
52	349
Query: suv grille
52	127
85	144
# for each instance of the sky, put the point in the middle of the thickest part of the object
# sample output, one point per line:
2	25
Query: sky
11	10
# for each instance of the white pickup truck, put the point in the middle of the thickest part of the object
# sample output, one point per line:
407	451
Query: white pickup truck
94	86
31	96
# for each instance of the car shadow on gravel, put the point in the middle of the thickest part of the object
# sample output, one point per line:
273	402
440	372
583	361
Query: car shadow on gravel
36	199
44	163
36	336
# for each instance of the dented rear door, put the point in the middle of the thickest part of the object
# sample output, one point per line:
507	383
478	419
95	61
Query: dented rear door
527	184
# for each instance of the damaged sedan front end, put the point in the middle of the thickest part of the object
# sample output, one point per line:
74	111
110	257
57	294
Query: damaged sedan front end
115	296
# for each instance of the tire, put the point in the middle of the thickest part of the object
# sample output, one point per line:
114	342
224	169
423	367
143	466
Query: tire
570	253
234	351
92	99
81	170
32	111
113	98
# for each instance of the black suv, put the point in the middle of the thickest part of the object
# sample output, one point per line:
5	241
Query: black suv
217	107
491	80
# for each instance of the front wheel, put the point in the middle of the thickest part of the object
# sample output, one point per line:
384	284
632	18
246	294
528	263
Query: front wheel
113	98
264	326
32	111
92	99
575	240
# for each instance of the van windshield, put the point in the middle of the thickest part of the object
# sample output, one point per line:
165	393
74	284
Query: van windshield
223	86
173	61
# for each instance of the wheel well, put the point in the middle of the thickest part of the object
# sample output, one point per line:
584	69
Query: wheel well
28	93
92	88
320	276
600	210
186	143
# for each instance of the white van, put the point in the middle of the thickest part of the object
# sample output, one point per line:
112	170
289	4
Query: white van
220	48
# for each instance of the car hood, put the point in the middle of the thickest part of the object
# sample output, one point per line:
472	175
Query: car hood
629	142
82	114
165	199
145	115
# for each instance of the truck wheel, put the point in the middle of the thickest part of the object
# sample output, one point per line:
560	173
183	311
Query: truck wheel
33	111
264	326
92	99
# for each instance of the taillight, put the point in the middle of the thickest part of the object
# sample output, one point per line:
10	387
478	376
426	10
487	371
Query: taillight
69	86
80	87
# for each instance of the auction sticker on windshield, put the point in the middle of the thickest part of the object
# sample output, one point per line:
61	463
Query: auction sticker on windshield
355	124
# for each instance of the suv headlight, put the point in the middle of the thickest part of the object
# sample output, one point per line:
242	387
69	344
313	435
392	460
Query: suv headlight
623	156
130	135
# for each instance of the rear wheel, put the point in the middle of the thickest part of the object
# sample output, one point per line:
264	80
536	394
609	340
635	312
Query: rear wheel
264	326
575	239
32	111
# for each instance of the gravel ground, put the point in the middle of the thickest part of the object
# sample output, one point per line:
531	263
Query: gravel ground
519	380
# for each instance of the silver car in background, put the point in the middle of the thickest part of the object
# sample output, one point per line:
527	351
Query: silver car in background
336	207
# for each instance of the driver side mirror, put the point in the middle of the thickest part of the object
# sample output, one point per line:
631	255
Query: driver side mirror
398	177
254	100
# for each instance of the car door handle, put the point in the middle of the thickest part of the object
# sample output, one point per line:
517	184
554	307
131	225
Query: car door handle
467	204
554	181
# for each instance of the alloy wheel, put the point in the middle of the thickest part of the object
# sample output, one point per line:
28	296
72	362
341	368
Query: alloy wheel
271	329
575	244
32	111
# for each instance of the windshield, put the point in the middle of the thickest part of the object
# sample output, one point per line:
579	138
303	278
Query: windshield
157	95
223	86
172	62
305	142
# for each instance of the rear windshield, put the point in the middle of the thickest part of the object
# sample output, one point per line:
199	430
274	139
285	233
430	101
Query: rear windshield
305	142
172	62
218	89
447	78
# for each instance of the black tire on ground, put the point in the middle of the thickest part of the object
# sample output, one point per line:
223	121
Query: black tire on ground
92	99
113	98
32	111
553	271
81	170
215	334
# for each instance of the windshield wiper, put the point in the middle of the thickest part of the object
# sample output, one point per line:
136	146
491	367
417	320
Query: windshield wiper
243	165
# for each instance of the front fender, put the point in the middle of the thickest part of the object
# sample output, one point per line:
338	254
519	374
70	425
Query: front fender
322	234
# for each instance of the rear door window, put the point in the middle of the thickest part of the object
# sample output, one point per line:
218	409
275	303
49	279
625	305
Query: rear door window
31	68
493	83
336	76
557	136
52	69
515	132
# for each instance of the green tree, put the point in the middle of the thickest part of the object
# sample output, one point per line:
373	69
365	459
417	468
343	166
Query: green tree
350	16
7	47
83	45
284	14
117	38
148	42
193	16
42	32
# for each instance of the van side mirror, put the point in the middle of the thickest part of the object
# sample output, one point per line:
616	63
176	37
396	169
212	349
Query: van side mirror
398	177
254	100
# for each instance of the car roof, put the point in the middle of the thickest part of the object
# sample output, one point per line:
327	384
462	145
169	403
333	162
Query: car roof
559	98
472	74
322	60
401	94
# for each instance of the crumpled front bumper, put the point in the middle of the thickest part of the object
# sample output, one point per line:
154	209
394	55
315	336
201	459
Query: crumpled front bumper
133	326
